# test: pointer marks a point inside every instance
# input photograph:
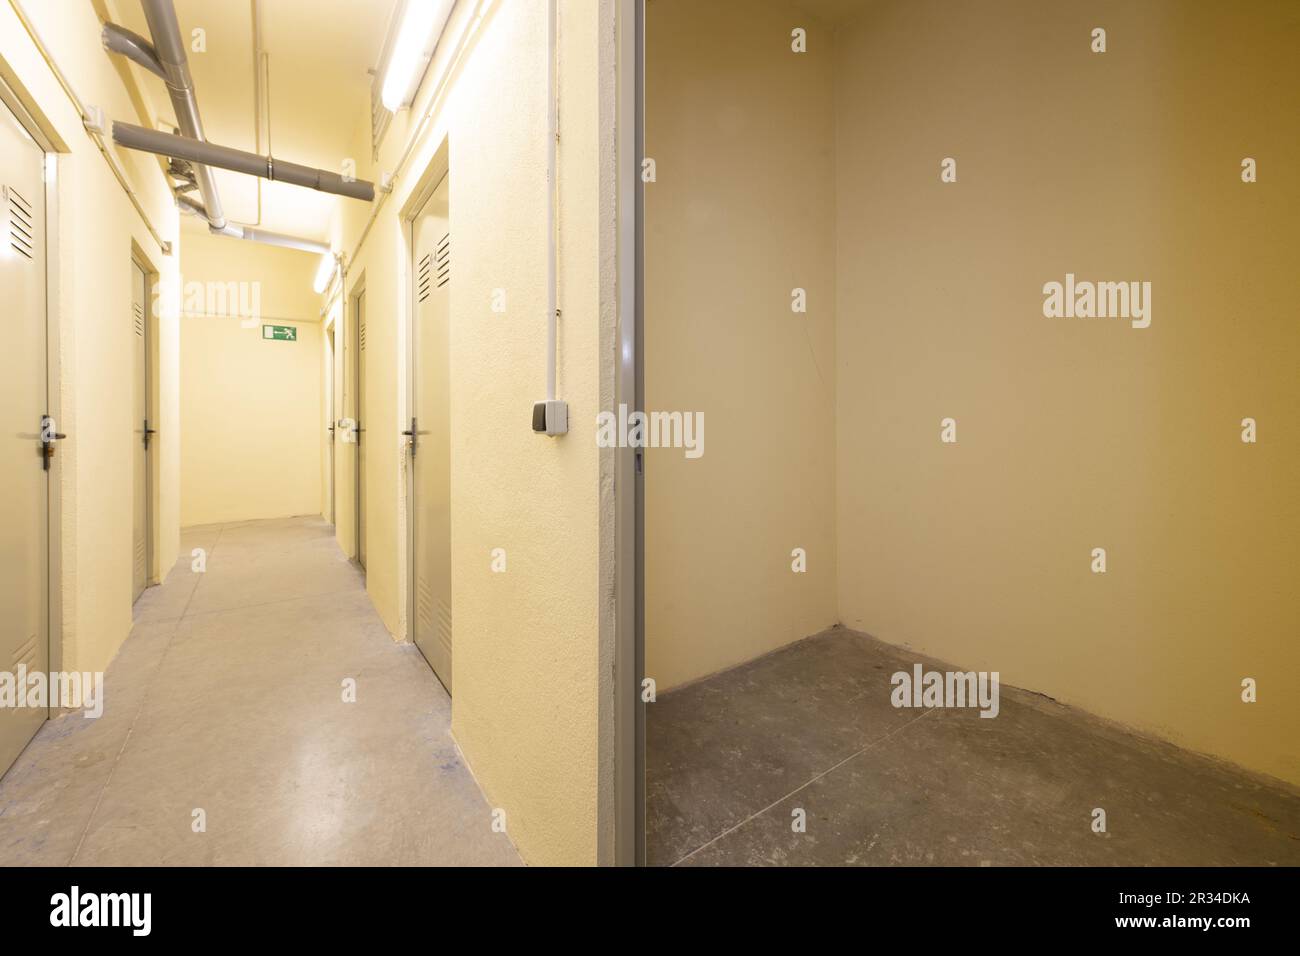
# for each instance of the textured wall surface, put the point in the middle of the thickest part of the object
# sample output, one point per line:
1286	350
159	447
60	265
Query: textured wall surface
99	232
1073	433
742	212
250	408
526	663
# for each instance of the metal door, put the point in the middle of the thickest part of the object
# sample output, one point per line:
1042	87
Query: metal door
24	505
360	409
430	439
143	432
329	417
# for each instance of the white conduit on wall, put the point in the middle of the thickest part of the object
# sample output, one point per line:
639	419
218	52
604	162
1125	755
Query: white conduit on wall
551	417
417	134
552	251
96	135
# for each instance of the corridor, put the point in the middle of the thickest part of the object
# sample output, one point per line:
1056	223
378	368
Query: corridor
358	363
228	698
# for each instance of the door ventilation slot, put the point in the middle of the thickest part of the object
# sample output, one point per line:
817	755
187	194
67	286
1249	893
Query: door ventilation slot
443	260
424	277
361	337
21	231
137	311
25	655
424	605
444	624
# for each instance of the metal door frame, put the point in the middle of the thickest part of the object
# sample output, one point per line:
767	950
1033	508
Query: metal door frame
629	476
53	391
438	169
141	262
329	335
352	366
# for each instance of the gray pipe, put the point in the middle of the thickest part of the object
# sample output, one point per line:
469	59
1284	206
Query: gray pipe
132	46
191	205
203	154
170	50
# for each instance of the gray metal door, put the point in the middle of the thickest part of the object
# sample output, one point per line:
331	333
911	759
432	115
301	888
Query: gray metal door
142	433
329	417
360	402
24	505
431	438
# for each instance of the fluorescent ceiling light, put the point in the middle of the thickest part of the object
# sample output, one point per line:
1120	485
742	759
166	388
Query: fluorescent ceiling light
324	272
420	27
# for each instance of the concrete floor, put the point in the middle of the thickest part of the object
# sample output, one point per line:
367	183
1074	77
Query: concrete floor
811	726
227	697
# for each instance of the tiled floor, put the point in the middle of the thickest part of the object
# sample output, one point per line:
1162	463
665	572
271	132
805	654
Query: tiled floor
730	758
228	698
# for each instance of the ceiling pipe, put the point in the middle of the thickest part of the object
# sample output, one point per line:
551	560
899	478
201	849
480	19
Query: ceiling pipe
92	123
132	46
204	154
261	67
195	208
165	57
170	51
276	239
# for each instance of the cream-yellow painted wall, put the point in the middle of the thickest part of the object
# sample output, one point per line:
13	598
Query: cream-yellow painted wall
283	277
251	410
527	663
1074	433
742	212
99	231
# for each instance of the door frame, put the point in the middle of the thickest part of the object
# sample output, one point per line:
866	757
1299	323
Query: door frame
352	402
629	468
53	381
437	169
152	518
329	341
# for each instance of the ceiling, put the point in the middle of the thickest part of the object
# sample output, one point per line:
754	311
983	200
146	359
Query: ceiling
317	94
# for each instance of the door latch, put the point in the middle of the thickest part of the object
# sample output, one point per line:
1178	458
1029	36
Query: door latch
147	432
48	437
412	434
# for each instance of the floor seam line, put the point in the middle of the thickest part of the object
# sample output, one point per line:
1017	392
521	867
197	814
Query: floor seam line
808	783
144	699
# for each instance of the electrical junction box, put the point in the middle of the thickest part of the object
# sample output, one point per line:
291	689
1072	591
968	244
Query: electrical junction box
551	418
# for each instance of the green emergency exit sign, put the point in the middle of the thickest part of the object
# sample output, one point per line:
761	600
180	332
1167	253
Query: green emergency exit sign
284	333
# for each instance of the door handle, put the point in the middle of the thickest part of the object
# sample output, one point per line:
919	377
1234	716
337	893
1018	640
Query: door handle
48	437
412	436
